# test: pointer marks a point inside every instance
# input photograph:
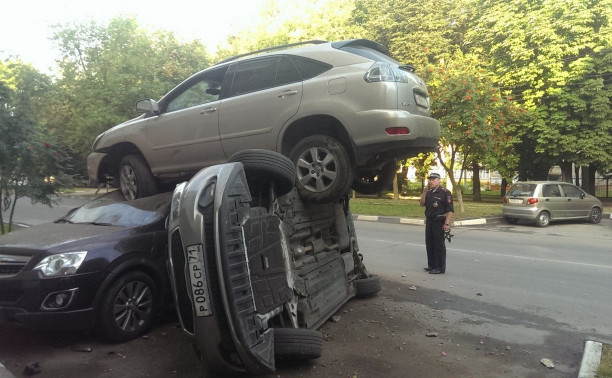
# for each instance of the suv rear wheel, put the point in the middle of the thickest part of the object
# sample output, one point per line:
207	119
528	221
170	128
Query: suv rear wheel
323	168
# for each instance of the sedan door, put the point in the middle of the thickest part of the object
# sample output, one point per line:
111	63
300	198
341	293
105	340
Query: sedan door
576	206
553	201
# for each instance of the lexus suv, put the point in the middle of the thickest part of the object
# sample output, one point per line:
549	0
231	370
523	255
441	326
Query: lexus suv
343	112
255	269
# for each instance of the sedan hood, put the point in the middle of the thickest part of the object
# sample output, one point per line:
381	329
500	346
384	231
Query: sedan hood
55	235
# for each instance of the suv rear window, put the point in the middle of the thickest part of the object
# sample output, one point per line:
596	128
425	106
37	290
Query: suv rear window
522	190
309	68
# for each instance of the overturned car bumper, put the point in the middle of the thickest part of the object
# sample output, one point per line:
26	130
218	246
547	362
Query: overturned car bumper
211	274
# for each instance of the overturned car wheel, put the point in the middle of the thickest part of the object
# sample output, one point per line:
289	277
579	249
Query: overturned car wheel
297	343
263	167
367	287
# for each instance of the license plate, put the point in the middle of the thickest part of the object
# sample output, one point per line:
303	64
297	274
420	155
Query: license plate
197	278
515	200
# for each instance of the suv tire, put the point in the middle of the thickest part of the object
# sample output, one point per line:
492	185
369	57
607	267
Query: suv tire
374	181
135	178
263	166
323	168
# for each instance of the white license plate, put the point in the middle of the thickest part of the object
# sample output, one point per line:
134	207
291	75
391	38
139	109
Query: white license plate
515	200
197	278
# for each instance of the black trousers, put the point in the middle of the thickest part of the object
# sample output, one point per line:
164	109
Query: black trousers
434	242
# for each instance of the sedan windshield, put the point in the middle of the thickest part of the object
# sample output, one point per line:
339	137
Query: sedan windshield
522	190
112	210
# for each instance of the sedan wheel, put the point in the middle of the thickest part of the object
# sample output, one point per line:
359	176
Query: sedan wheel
595	215
128	308
543	219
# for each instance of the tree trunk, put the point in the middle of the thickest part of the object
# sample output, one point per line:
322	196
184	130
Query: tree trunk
577	172
476	182
566	171
588	179
395	188
504	184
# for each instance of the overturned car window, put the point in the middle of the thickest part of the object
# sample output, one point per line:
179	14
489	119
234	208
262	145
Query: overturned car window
112	210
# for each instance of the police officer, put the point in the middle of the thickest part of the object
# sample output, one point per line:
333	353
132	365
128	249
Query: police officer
438	204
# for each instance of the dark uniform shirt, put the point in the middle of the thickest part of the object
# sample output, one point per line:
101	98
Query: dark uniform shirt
438	202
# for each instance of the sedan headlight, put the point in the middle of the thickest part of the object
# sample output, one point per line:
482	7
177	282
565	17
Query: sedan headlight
175	206
61	264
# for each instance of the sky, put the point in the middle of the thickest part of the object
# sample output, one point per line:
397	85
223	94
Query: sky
25	25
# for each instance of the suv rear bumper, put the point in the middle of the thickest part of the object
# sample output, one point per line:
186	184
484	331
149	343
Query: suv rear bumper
370	138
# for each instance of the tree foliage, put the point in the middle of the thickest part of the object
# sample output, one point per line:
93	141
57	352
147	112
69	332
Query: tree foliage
106	68
31	162
556	58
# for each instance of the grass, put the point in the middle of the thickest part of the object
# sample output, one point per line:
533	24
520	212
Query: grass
408	207
605	365
14	228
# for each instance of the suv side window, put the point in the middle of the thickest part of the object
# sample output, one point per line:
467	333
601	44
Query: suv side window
571	191
286	72
309	68
254	75
204	89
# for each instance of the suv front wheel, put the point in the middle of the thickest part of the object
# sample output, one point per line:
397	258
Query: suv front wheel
135	178
323	168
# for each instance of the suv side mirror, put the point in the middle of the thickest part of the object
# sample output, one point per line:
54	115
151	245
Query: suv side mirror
147	106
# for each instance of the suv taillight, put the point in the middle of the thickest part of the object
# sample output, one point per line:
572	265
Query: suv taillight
381	71
531	201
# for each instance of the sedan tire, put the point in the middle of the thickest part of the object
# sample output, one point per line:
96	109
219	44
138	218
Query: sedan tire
128	308
374	181
595	215
297	343
263	167
543	219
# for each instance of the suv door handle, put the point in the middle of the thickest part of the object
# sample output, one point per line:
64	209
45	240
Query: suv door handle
286	93
208	110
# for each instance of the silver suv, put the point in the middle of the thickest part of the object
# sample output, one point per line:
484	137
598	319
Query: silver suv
343	112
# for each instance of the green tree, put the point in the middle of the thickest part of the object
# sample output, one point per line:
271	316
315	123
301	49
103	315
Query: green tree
105	68
474	117
556	58
31	164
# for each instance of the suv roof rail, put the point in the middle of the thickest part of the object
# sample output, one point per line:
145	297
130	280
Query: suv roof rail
281	47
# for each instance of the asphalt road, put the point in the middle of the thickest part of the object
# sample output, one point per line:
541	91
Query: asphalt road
511	296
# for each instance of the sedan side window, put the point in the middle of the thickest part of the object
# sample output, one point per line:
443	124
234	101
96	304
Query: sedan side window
551	191
571	191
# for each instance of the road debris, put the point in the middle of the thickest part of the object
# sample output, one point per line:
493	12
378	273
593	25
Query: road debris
32	368
547	362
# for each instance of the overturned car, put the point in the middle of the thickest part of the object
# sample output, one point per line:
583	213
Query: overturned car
256	270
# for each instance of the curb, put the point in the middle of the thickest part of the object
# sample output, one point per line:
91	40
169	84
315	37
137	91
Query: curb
421	222
590	359
4	373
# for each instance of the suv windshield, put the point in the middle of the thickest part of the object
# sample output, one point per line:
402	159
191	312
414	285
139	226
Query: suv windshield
112	210
522	190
